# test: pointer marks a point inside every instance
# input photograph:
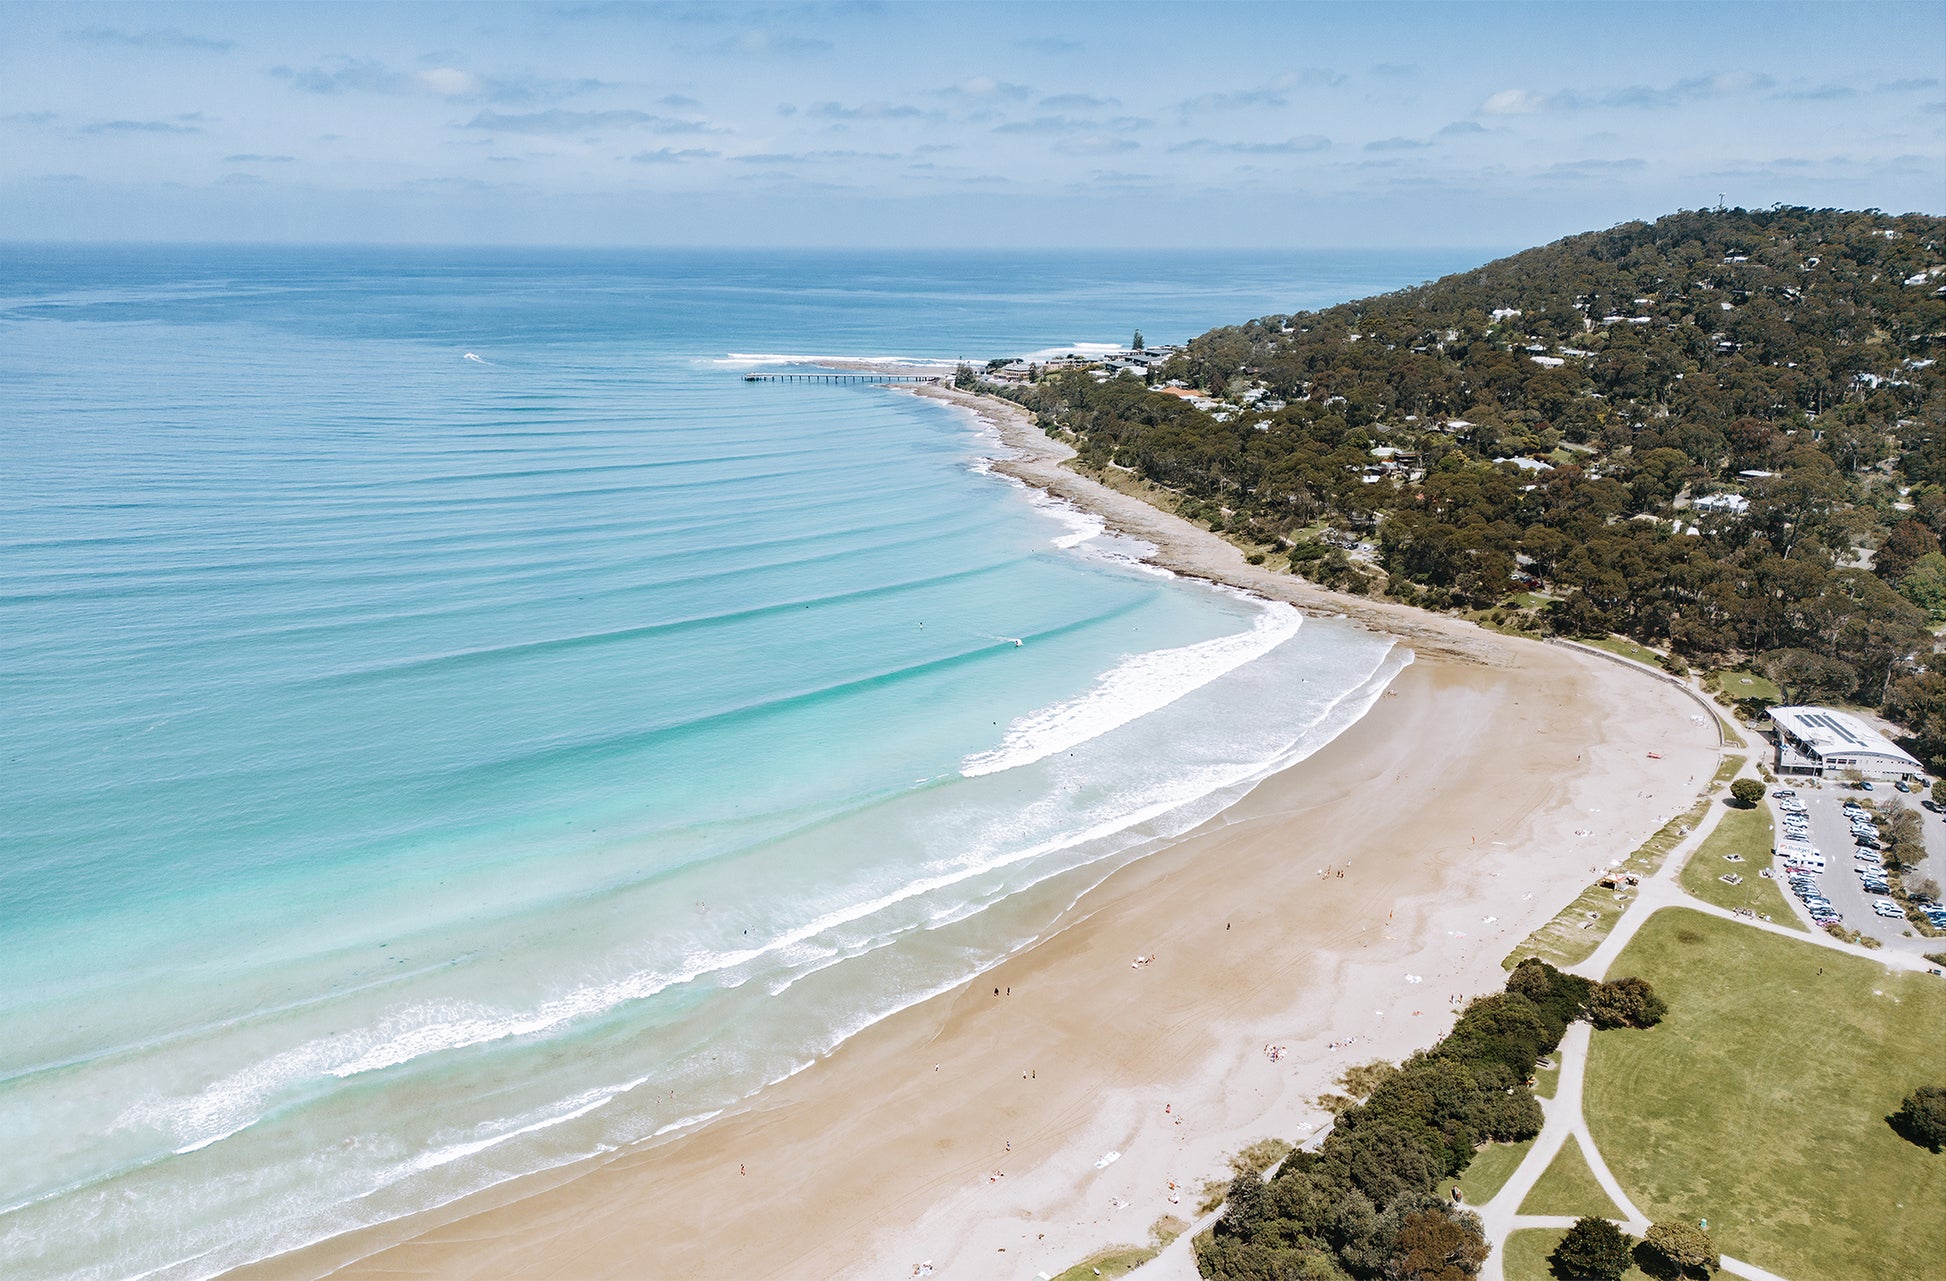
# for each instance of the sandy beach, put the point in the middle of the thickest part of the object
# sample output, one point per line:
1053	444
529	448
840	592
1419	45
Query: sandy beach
1335	912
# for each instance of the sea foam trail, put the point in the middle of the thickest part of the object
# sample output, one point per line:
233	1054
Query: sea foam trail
1138	685
754	360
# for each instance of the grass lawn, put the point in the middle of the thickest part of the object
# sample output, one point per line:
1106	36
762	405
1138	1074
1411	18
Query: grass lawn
1492	1166
1625	647
1747	684
1547	1080
1759	1102
1568	1186
1748	833
1526	1251
1113	1262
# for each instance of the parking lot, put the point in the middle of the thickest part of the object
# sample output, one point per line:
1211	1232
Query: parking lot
1830	833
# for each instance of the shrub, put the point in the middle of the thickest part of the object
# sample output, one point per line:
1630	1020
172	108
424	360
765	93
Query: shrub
1260	1156
1593	1250
1681	1250
1561	997
1628	1002
1922	1117
1437	1245
1363	1205
1747	792
1505	1028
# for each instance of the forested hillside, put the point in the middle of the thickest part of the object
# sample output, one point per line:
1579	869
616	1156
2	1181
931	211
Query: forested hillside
1723	432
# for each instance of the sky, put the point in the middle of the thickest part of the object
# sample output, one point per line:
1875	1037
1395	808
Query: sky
1110	125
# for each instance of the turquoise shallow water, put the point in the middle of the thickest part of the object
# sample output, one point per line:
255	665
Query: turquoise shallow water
452	724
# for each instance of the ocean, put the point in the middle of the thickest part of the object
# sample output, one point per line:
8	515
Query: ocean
454	725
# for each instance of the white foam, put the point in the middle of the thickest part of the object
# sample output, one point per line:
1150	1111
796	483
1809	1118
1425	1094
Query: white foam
1143	683
1082	349
200	1144
1138	685
1082	525
755	360
578	1107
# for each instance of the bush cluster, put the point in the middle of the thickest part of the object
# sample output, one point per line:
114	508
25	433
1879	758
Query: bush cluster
1921	1118
1679	1250
1364	1205
1593	1250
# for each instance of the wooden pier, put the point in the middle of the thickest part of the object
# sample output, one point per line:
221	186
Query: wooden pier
843	378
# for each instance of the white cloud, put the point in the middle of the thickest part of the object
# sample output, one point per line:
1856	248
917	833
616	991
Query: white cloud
1288	147
1512	102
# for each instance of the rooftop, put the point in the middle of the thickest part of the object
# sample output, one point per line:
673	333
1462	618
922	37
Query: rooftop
1828	731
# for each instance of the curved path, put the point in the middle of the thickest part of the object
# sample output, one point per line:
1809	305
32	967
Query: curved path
1563	1117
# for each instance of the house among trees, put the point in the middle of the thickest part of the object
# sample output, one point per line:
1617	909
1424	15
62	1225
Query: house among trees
1735	504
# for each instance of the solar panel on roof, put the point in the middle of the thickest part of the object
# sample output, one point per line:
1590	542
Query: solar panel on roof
1837	727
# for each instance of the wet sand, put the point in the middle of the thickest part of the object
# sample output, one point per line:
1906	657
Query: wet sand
1333	912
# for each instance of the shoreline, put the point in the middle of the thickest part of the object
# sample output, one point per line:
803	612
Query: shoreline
1038	461
868	1163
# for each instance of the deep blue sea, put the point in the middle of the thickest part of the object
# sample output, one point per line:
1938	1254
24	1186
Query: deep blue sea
453	724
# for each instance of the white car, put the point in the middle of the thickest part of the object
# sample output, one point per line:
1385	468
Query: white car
1887	908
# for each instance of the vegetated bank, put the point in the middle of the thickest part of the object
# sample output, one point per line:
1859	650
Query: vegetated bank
1364	1204
1723	432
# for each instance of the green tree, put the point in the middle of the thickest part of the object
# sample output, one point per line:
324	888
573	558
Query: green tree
1438	1246
1921	1118
1593	1250
1135	344
1908	542
1924	584
1939	791
1808	677
1747	792
1628	1002
1683	1249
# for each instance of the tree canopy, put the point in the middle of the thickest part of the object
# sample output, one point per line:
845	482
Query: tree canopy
1723	432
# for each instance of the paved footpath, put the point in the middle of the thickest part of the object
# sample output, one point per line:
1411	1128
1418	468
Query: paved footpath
1563	1118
